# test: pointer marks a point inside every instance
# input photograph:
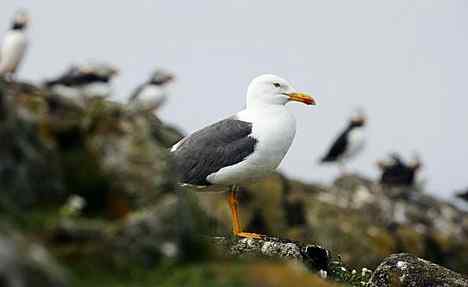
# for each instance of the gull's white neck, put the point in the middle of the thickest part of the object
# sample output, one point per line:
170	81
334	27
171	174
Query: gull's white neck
258	111
274	127
262	103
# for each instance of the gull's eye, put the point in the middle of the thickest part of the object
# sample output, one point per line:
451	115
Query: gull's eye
277	85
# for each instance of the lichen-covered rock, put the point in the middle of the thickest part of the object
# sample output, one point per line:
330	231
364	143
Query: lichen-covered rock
355	217
52	148
408	270
26	264
94	183
313	255
138	167
29	167
170	230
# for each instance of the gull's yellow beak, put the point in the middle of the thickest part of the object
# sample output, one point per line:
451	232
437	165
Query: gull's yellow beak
303	98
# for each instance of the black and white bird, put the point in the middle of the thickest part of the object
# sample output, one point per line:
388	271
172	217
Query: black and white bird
463	195
246	146
398	172
14	45
152	94
349	143
91	79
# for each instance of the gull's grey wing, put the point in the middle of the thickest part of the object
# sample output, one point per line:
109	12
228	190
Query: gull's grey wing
208	150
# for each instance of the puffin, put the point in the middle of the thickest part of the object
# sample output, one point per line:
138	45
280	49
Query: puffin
243	147
14	45
397	172
349	142
152	94
90	79
463	195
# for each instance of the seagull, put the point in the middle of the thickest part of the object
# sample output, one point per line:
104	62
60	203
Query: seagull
243	147
91	79
14	45
396	172
152	94
349	143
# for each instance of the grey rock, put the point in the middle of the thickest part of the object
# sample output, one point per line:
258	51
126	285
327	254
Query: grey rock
26	264
408	270
149	235
25	160
313	255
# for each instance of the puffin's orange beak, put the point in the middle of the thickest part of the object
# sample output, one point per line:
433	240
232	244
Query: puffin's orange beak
303	98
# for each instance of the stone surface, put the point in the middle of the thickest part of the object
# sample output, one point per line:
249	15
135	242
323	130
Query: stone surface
277	248
25	160
354	217
408	270
93	183
26	264
311	256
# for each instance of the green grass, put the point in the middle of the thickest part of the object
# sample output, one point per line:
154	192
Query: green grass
170	275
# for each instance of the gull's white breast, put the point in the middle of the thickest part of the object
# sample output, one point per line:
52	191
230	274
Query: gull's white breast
274	129
12	51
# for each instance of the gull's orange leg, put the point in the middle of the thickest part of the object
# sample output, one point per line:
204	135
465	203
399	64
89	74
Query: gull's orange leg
234	205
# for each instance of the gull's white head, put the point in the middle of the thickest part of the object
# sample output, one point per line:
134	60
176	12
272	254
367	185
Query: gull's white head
273	90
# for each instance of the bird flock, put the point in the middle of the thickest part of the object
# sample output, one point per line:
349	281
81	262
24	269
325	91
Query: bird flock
241	147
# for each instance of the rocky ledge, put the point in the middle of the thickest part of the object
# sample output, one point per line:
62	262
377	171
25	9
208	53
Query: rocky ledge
89	197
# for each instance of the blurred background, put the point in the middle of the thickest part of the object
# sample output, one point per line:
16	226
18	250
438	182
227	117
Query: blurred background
403	62
90	194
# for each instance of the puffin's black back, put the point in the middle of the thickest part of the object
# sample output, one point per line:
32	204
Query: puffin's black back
338	148
73	78
341	143
399	173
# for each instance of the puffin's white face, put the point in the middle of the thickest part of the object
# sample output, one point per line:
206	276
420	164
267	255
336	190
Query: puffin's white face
21	19
273	90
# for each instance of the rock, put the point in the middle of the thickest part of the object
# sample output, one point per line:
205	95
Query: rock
313	257
169	230
355	217
408	270
25	159
138	167
95	183
165	134
117	161
26	264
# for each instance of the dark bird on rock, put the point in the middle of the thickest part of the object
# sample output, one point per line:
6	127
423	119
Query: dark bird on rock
92	79
349	143
152	94
14	45
246	146
397	172
463	195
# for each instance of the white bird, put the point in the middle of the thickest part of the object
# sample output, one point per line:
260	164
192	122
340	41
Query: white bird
152	94
14	45
246	146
